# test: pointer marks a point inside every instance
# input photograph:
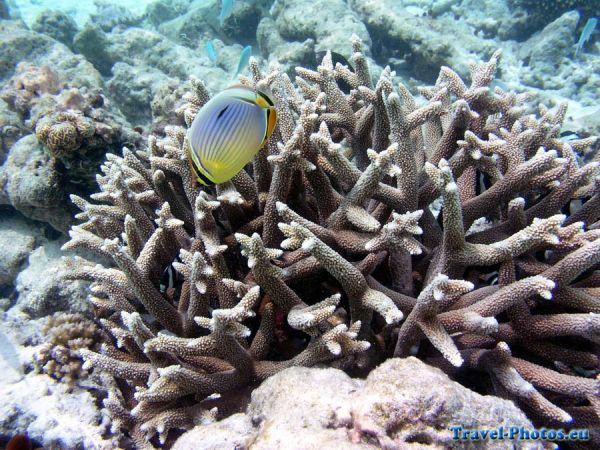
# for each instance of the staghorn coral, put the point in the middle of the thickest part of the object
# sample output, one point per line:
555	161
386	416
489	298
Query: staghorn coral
65	335
347	261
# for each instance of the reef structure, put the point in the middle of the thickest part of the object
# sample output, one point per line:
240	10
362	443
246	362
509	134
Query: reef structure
327	250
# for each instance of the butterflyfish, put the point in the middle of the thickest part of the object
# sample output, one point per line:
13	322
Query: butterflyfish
227	132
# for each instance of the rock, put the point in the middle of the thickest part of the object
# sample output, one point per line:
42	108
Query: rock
49	92
498	20
234	432
166	106
566	79
133	88
555	42
267	36
18	238
11	129
405	400
288	54
43	289
540	13
57	25
242	22
4	11
199	17
585	121
44	410
331	28
11	369
20	45
15	247
15	334
161	11
109	15
304	399
403	403
27	87
92	43
30	183
418	41
139	47
47	105
55	415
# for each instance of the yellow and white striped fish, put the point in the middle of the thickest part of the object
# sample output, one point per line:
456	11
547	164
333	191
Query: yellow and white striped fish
227	132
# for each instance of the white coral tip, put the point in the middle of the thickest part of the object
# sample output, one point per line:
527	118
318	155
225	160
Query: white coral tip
308	244
281	207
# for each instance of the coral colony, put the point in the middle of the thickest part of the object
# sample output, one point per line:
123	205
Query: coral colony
327	249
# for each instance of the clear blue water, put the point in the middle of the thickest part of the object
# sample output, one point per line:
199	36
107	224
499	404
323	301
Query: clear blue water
79	10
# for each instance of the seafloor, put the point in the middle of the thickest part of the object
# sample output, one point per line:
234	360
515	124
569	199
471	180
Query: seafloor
416	247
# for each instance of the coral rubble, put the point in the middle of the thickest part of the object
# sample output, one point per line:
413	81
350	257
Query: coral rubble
348	264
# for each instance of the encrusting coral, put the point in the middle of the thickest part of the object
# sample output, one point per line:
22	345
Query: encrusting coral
348	263
28	85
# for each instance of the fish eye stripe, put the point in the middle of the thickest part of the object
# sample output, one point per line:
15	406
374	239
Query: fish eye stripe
271	122
222	112
266	135
265	98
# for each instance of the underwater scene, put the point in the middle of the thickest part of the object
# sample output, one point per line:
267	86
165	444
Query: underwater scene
299	224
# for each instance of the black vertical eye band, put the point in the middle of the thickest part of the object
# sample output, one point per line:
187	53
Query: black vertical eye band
205	180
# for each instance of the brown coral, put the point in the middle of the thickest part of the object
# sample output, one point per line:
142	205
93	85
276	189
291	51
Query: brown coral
64	132
343	250
28	85
65	335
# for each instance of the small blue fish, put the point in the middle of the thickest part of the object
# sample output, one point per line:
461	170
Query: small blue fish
244	58
226	7
227	132
212	53
585	34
